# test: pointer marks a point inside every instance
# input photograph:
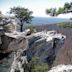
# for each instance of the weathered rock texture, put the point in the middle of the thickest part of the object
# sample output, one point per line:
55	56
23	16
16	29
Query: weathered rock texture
45	47
17	49
62	68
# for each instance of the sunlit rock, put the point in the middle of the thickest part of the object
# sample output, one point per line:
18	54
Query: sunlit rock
24	45
62	68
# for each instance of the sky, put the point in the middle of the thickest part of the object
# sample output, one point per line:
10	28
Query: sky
37	6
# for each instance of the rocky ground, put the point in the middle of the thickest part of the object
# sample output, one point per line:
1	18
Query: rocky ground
18	48
64	55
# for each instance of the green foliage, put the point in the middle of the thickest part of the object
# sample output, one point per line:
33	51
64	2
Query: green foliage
70	18
60	10
48	11
32	28
66	5
37	66
0	16
65	24
23	14
71	4
51	11
54	12
0	12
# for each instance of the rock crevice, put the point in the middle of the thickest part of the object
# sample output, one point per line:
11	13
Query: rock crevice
44	45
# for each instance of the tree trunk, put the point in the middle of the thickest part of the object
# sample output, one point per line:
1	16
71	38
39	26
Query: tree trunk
21	29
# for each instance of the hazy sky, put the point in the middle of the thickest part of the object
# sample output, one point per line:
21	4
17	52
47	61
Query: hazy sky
37	6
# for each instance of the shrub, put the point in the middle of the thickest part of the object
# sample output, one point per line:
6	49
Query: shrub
38	66
65	24
32	28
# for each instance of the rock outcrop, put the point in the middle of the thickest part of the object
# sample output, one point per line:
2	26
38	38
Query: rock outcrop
62	68
45	45
18	48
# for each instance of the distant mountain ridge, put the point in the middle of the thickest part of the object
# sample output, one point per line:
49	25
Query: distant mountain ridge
47	20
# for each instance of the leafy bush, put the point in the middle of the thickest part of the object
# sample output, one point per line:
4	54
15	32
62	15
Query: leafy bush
70	18
32	28
65	24
38	66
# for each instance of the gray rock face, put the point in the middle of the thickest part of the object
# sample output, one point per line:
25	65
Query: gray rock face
62	68
10	48
19	62
18	49
46	51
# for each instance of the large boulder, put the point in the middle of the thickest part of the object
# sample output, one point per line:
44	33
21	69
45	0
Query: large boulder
11	44
18	49
45	45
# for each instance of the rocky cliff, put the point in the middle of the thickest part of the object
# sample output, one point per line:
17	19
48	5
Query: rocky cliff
17	49
62	68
